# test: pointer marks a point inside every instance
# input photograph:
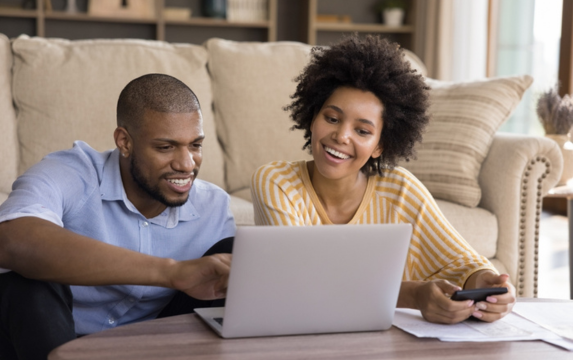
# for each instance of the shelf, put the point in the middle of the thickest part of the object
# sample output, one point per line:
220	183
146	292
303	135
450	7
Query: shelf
364	20
375	28
61	15
16	12
55	19
198	21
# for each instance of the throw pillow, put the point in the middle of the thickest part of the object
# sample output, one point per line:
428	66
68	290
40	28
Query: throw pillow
68	90
464	119
252	82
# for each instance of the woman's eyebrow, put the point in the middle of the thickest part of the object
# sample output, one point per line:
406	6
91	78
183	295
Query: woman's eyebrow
339	110
335	108
366	121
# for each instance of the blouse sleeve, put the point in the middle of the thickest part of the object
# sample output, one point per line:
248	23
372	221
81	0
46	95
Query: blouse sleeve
438	251
275	197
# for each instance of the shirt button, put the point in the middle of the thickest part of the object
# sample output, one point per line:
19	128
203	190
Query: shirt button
131	300
111	321
145	224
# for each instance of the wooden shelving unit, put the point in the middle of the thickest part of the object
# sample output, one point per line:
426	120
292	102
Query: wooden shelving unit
405	32
40	15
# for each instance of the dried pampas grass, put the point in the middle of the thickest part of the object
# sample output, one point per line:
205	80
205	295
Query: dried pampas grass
555	113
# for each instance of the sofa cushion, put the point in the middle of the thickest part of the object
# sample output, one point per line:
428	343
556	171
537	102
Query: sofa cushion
252	83
464	119
68	90
242	211
8	138
476	225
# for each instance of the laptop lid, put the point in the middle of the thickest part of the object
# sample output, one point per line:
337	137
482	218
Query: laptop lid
316	279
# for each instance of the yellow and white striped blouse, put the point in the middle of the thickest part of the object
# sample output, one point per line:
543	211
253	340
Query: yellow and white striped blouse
283	195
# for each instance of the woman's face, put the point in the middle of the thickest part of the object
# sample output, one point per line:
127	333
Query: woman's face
346	133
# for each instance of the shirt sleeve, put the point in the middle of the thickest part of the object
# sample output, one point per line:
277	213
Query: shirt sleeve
438	251
45	191
275	200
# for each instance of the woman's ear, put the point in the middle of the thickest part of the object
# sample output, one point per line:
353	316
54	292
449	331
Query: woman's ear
378	151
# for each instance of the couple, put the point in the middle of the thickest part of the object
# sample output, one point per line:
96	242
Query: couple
96	240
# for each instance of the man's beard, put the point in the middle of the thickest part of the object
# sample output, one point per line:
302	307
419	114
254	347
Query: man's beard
153	191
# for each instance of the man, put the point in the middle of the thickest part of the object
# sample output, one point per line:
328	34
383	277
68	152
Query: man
120	227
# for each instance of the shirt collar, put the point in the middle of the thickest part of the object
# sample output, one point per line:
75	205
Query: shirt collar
111	189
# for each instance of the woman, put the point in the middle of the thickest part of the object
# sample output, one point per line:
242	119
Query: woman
362	108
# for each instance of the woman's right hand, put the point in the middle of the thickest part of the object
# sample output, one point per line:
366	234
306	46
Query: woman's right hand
432	298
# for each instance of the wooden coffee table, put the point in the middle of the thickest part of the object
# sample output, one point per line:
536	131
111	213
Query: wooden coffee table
187	337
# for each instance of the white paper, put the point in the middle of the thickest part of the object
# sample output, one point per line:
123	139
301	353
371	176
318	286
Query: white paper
510	328
557	317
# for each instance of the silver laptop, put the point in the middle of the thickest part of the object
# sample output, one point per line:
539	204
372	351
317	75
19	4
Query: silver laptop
288	280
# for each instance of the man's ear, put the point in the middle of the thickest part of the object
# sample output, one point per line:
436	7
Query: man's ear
123	141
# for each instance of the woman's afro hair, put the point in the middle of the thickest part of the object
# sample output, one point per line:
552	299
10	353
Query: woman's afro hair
369	64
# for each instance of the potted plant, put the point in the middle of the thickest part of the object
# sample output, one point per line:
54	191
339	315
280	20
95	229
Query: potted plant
392	11
556	116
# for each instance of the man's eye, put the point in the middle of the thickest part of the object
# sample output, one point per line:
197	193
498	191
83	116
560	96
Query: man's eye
166	147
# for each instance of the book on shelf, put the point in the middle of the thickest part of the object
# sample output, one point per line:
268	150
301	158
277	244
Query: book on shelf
247	10
176	13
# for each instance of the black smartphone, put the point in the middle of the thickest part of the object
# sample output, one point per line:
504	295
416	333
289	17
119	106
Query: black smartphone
478	294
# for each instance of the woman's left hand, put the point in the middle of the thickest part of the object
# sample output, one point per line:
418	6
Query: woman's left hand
496	306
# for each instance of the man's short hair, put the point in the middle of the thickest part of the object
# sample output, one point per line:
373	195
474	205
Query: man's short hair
157	92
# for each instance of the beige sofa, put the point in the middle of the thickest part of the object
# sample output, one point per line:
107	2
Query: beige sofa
53	92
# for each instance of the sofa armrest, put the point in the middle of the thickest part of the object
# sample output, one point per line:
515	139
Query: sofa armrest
516	173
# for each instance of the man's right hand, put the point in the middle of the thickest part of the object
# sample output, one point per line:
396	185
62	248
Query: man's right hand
204	279
38	249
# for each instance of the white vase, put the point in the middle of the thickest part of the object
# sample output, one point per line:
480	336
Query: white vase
393	17
566	147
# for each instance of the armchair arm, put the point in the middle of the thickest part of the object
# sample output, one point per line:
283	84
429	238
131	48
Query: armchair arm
516	173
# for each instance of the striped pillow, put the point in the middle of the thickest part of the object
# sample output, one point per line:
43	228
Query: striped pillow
464	119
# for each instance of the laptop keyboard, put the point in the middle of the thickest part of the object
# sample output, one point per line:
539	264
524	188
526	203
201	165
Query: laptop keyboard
219	320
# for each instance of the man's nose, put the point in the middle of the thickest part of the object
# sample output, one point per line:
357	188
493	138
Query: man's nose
184	161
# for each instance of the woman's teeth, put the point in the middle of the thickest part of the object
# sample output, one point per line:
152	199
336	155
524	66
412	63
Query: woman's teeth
336	153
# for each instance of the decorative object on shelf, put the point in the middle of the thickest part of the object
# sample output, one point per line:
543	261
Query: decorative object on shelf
247	10
176	13
340	19
71	6
556	116
141	9
392	12
214	8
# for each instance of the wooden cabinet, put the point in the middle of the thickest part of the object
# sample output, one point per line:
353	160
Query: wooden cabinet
80	25
364	19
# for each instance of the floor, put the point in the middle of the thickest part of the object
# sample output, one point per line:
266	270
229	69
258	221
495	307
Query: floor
553	281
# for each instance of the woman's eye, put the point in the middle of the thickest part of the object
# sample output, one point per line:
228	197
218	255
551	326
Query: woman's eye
330	119
363	132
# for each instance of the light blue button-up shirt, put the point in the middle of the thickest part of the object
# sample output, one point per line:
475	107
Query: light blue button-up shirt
81	190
